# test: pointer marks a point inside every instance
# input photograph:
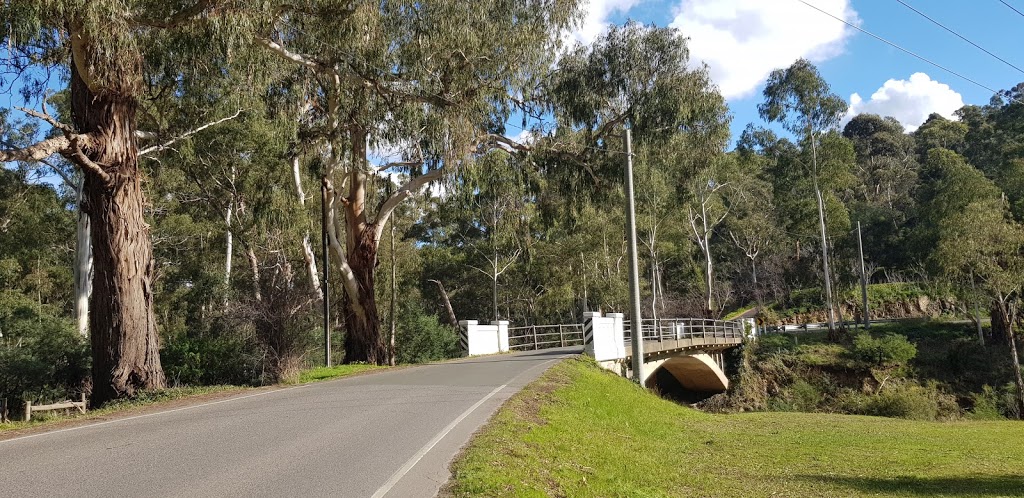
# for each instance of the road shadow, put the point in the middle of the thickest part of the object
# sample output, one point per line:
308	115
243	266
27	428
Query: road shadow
968	485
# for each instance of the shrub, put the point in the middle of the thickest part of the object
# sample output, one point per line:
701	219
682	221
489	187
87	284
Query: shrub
42	358
910	401
210	361
421	338
887	351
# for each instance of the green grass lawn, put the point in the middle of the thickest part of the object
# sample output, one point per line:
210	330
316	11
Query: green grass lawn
580	431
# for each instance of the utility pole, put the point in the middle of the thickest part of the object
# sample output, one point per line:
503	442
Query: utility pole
634	274
863	279
325	288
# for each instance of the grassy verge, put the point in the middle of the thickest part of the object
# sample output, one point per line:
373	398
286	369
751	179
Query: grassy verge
328	373
579	431
157	399
143	400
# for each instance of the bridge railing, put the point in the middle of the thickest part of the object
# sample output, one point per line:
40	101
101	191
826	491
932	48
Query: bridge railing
662	329
533	337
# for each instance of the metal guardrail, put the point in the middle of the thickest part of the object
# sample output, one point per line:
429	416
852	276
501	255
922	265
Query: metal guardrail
534	337
661	329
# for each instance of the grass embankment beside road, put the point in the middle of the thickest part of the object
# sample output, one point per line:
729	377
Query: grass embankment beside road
580	431
172	397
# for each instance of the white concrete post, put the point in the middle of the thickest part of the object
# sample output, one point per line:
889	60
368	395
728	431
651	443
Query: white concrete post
502	336
479	339
603	337
465	326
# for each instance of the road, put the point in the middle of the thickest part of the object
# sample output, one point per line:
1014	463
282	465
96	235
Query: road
386	434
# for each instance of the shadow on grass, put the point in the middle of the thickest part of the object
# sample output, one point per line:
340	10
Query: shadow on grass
968	485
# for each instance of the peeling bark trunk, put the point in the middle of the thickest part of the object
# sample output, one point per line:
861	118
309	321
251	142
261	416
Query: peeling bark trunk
363	341
125	345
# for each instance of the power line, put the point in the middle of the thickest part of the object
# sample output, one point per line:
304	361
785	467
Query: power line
894	45
958	35
1011	7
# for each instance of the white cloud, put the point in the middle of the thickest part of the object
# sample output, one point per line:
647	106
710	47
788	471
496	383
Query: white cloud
909	101
596	19
743	41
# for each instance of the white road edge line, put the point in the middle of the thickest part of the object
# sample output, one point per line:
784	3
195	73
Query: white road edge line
87	426
400	473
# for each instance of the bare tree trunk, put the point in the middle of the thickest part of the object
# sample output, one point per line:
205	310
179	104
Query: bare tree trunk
394	292
254	268
824	241
230	250
452	320
83	265
308	256
125	344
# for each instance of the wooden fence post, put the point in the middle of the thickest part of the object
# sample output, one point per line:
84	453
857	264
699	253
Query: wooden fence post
28	410
561	337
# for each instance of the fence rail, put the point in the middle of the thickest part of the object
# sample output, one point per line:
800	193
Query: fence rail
661	329
534	337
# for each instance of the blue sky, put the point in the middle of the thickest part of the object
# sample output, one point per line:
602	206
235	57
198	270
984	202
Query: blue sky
742	40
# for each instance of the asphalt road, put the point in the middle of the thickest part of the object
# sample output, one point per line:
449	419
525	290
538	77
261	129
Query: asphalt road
386	434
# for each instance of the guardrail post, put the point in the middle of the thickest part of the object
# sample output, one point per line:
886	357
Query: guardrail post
28	410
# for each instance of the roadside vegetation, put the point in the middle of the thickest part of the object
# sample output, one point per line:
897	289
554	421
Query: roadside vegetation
581	431
925	370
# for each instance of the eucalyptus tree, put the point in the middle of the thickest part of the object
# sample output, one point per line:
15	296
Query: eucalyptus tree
110	54
978	241
641	75
431	79
800	99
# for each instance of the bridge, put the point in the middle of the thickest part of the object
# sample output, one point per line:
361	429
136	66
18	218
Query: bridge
689	350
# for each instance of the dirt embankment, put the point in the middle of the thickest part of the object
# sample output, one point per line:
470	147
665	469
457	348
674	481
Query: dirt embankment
918	307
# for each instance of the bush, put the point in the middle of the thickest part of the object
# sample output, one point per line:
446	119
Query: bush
210	361
887	351
42	358
421	338
910	401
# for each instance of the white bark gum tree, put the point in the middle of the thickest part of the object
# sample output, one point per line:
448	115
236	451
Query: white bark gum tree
308	256
703	224
370	84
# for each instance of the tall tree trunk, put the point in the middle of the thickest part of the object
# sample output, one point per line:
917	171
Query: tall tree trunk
394	294
125	345
363	341
83	265
1006	316
308	256
452	320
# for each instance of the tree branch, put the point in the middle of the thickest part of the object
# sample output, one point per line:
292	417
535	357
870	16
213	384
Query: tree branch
301	59
402	194
161	147
48	118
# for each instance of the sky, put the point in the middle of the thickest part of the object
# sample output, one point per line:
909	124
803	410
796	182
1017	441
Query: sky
742	41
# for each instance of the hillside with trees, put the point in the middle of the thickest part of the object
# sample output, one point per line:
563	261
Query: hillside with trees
165	167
